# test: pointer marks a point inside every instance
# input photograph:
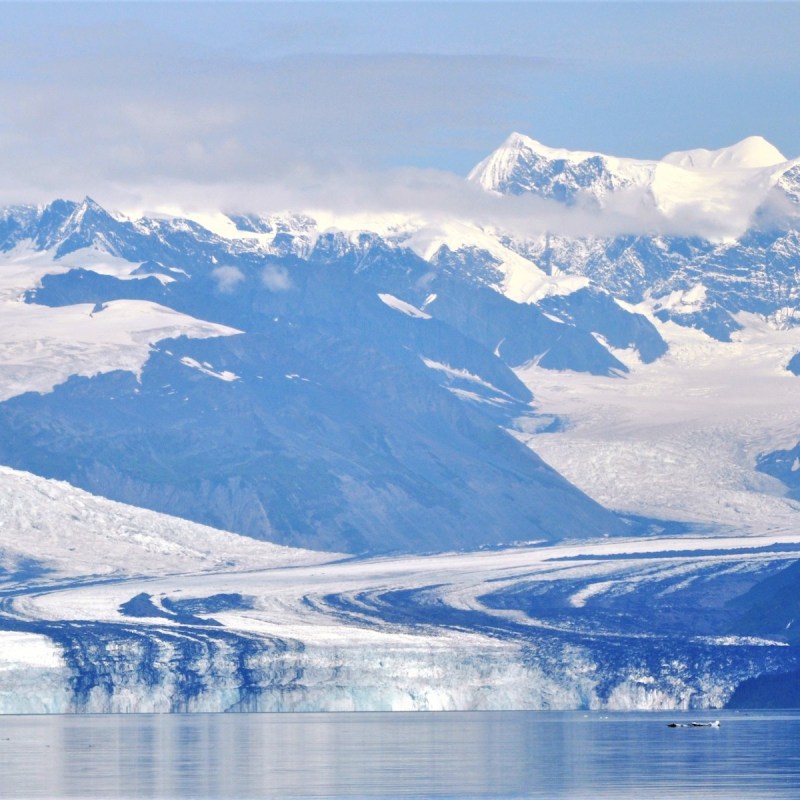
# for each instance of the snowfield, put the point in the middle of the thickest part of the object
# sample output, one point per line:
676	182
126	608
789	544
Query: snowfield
69	534
41	347
678	439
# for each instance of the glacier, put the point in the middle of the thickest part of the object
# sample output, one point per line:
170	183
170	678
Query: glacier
105	608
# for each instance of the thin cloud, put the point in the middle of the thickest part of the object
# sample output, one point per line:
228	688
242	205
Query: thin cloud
408	196
276	279
114	106
227	278
143	118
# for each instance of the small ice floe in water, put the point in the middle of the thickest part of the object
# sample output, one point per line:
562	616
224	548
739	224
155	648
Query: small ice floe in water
714	724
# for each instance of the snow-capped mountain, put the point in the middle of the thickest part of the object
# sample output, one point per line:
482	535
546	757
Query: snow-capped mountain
720	226
327	409
748	170
754	152
326	378
522	165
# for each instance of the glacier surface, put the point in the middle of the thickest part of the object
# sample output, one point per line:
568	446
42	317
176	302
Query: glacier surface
105	608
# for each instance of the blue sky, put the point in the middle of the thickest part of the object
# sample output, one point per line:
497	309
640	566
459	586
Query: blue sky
96	96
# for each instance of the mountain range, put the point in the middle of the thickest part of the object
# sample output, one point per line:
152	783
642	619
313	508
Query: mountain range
620	365
360	398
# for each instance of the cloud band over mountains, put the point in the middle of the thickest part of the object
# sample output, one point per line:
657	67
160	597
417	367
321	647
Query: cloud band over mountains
267	107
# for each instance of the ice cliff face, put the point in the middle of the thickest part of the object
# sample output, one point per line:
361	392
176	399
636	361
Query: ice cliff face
107	670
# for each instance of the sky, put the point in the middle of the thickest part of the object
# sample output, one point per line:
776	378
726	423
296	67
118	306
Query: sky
226	100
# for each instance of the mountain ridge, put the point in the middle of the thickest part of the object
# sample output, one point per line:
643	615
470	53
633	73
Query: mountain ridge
270	438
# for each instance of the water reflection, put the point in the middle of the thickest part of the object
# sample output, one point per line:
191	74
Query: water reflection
503	754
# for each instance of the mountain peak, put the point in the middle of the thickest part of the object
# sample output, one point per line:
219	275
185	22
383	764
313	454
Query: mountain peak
754	152
518	142
88	203
80	211
496	170
522	165
78	217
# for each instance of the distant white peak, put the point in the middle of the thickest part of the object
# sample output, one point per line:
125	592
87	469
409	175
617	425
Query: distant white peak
754	152
496	169
87	205
518	142
520	152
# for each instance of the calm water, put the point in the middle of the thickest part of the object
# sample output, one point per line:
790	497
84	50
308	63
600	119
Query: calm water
503	754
